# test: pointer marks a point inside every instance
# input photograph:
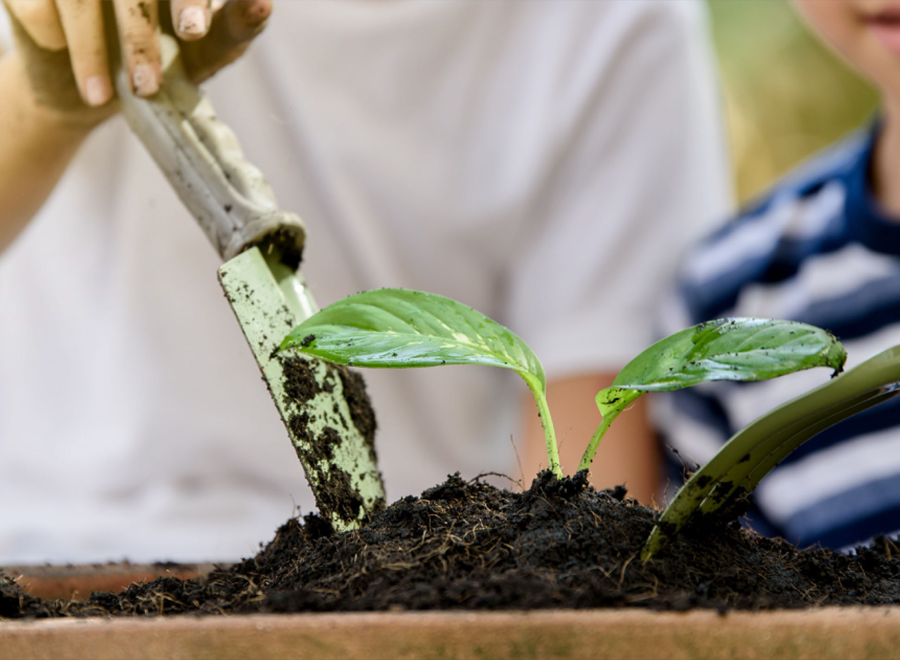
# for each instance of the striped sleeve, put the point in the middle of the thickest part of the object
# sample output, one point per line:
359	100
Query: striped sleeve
817	250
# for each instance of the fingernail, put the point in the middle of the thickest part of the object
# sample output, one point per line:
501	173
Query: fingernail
192	22
97	90
145	81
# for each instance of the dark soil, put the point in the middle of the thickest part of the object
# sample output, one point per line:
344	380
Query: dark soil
468	545
335	495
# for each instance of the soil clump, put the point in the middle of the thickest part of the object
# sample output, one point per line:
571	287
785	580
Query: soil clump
469	545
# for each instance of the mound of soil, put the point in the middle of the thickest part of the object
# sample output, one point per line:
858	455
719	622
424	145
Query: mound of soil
468	545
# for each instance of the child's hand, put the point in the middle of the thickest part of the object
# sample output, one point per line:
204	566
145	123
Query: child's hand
64	51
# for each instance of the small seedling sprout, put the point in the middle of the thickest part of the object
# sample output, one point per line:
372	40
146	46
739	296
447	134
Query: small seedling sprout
742	349
400	328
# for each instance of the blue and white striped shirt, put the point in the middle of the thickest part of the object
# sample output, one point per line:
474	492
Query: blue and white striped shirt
818	250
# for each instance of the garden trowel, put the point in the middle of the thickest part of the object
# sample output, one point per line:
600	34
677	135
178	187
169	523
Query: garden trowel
262	246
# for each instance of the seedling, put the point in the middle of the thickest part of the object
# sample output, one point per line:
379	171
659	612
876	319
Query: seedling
745	349
399	328
755	450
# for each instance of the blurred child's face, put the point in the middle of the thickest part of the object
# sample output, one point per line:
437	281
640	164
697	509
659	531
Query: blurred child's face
866	32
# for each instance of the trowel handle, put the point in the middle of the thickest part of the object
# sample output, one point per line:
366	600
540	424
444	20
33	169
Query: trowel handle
202	159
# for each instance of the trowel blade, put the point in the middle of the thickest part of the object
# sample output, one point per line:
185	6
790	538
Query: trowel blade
320	404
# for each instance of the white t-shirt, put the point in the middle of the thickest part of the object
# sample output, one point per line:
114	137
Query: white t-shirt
542	162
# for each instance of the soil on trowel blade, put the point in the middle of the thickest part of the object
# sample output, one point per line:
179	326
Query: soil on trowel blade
468	545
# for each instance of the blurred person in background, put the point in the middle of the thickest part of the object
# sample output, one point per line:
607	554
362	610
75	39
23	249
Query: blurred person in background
822	247
542	162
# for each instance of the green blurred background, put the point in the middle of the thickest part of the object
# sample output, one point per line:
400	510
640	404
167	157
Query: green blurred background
786	95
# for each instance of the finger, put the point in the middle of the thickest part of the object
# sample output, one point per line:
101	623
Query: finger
233	29
244	19
82	22
41	21
138	22
191	18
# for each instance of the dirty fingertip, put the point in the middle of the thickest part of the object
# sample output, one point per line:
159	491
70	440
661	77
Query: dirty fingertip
193	22
146	80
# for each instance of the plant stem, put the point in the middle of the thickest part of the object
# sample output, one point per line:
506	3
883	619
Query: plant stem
540	399
591	451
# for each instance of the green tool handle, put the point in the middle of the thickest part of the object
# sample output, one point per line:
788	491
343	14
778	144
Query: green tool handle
202	159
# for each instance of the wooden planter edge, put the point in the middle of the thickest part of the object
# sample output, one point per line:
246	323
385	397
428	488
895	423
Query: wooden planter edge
838	633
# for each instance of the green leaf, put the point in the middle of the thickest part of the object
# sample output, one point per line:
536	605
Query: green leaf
731	349
746	349
400	328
